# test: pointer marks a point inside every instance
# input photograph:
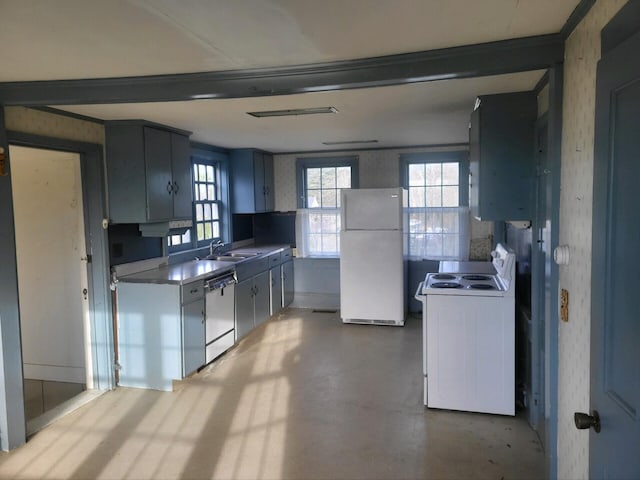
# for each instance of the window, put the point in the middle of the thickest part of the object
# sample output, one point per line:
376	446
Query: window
206	202
209	191
176	240
438	215
319	183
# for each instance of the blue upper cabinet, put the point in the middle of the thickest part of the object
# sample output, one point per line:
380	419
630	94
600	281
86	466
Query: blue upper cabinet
501	156
252	179
148	173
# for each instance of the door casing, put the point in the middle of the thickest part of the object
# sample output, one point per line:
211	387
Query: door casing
12	416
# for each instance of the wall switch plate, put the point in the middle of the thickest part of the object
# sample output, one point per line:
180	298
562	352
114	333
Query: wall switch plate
564	305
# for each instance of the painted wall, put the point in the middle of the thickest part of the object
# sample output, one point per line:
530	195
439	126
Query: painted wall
51	274
582	52
28	120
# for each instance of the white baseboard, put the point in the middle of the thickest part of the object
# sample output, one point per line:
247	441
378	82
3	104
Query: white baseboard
55	374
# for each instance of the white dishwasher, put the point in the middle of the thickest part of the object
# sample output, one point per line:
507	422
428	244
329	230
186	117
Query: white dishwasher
220	312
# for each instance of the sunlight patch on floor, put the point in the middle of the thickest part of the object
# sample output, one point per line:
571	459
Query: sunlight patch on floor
259	426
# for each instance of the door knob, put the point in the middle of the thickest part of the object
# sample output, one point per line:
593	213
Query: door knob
585	421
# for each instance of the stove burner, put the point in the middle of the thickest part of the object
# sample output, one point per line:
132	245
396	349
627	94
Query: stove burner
443	276
445	285
481	286
476	278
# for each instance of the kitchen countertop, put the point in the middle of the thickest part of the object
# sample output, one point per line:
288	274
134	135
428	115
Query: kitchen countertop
194	270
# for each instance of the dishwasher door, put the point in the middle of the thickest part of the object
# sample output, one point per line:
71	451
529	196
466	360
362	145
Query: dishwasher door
219	321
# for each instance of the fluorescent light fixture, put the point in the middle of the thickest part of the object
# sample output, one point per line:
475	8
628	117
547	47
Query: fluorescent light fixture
350	142
293	112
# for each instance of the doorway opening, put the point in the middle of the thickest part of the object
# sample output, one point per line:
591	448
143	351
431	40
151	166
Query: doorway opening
53	287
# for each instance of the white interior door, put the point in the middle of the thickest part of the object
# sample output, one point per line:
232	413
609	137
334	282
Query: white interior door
50	246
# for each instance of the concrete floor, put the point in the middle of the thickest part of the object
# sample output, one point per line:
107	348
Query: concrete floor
303	396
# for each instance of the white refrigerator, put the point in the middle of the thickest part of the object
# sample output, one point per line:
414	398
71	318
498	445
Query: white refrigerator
373	265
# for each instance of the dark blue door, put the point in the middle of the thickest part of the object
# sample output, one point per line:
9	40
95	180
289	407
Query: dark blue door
615	328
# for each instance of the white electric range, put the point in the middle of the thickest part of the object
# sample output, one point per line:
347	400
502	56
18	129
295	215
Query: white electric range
469	338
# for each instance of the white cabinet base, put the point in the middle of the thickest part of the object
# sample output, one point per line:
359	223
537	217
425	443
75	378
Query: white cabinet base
470	353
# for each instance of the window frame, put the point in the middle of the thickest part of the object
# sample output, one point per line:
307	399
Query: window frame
218	202
302	164
461	157
219	159
305	163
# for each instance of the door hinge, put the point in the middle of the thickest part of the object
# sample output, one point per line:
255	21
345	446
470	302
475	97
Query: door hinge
88	258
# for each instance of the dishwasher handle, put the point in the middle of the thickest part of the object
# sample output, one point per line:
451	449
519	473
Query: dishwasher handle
219	283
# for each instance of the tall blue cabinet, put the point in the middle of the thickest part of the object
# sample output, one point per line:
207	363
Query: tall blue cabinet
501	156
252	181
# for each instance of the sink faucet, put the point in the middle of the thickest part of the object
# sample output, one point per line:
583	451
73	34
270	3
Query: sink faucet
213	246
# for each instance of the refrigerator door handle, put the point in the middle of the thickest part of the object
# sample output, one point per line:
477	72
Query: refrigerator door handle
419	295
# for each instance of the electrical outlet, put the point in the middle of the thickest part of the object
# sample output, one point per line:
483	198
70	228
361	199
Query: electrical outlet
564	305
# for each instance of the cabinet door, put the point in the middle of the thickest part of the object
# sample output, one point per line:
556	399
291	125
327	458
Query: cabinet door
181	173
244	308
193	341
275	280
287	283
259	188
262	298
242	181
157	154
269	194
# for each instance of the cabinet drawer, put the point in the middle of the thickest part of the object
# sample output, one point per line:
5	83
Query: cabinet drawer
286	255
274	260
192	291
250	268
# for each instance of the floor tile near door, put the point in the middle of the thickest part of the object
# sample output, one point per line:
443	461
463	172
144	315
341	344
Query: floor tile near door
41	395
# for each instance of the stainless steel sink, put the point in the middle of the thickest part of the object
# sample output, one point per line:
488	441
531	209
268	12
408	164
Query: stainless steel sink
229	258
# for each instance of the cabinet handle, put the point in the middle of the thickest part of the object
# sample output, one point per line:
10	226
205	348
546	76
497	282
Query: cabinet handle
176	187
193	290
169	188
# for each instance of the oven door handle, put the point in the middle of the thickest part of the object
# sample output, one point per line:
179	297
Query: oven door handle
419	295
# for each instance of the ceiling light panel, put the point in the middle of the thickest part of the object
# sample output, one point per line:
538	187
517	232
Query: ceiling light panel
293	112
350	142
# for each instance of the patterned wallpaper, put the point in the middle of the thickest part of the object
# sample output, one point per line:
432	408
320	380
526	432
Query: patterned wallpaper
47	124
378	169
582	53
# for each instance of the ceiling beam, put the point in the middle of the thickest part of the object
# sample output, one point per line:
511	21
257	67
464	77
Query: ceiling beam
494	58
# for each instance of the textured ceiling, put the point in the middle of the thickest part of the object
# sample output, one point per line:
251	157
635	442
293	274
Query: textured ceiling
71	39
